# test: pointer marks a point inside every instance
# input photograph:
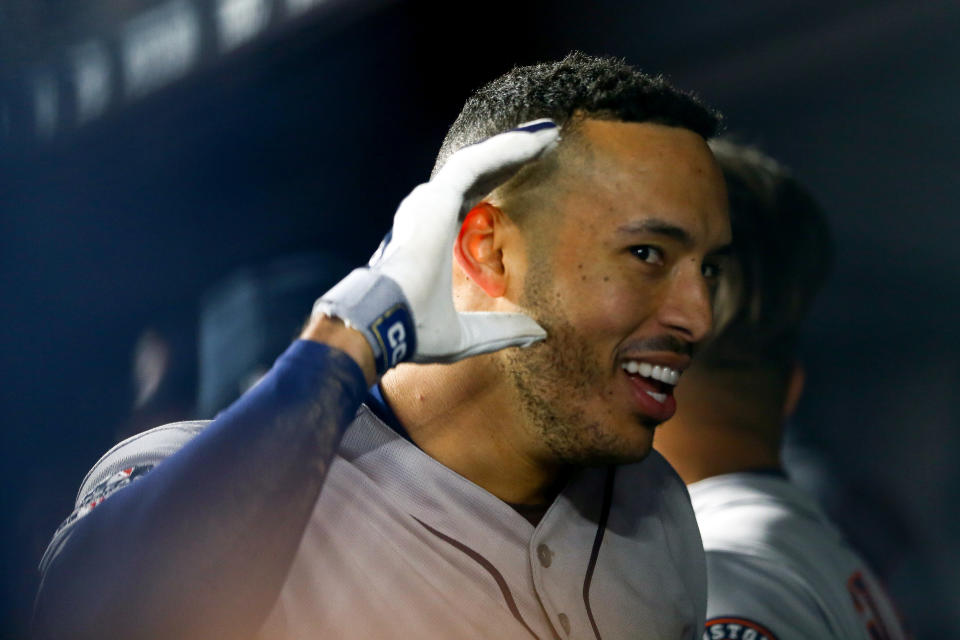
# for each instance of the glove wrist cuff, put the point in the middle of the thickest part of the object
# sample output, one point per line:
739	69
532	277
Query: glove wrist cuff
373	304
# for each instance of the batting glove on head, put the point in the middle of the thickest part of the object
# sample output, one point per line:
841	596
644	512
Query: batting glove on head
402	301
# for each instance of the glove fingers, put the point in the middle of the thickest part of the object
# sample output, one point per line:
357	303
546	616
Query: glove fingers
483	332
476	170
418	256
432	209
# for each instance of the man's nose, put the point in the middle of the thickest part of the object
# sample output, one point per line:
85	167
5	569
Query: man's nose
687	308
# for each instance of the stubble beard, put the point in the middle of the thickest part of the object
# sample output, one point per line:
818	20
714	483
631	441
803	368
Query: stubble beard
556	381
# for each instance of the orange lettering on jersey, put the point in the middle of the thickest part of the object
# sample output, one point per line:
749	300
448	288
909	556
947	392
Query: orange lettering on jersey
728	628
865	605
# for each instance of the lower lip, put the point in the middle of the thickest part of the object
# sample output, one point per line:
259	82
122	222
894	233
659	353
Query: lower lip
658	411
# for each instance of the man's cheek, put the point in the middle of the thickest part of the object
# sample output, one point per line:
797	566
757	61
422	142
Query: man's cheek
611	310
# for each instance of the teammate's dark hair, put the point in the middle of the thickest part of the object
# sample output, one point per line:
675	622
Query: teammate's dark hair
603	88
783	250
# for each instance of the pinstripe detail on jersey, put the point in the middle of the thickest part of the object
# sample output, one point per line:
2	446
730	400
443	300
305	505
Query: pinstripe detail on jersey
486	564
597	541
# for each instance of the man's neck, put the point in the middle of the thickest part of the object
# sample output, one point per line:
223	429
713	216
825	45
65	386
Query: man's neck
722	425
704	452
464	416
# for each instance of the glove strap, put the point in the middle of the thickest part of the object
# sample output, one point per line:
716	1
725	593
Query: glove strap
373	304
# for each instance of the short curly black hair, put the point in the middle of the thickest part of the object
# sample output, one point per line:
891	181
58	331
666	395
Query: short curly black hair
603	88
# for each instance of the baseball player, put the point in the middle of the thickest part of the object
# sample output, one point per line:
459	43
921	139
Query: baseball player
497	480
778	569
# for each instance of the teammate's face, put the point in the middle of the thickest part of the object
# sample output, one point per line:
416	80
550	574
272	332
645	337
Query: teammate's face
621	275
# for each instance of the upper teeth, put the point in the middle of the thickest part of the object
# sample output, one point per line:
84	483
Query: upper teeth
655	371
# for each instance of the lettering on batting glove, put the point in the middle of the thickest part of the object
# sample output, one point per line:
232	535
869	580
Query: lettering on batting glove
374	305
395	335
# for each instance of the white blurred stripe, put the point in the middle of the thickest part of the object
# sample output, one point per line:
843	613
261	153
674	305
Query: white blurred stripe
90	64
239	21
296	7
160	46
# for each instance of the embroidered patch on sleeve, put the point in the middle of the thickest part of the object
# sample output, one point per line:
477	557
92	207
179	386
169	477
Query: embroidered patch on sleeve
735	629
103	491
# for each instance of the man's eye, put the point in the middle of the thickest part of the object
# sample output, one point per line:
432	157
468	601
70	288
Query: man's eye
711	271
648	253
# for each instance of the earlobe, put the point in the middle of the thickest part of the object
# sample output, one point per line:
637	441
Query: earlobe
477	252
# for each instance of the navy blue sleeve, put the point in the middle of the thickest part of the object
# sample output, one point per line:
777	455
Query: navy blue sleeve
200	546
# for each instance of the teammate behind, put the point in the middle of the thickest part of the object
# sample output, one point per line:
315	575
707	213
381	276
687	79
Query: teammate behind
777	568
505	493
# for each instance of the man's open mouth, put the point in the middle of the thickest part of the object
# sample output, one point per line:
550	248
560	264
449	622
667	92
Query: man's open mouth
661	379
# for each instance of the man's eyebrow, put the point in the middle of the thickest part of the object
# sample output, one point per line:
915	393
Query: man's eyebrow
659	227
670	230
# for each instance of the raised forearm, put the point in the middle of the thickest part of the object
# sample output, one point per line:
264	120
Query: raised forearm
201	545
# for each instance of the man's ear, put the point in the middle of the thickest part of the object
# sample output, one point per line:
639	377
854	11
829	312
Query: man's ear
477	250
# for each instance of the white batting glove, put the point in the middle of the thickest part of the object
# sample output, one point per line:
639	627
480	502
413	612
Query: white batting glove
402	302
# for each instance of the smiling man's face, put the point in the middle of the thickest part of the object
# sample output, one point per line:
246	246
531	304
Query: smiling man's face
620	270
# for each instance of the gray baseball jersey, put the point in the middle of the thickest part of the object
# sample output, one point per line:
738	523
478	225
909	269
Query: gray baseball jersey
401	546
779	569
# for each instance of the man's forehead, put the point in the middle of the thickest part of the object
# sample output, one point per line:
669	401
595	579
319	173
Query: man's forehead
642	177
621	151
636	143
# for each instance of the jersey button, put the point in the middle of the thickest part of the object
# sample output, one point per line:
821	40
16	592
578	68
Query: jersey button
565	623
544	554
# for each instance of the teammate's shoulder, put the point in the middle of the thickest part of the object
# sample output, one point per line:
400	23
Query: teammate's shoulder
757	597
762	515
750	489
793	598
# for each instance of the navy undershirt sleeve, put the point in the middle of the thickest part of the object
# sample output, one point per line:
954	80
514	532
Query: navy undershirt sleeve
381	408
200	546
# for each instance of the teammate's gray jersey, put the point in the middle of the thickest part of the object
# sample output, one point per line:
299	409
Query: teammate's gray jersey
778	568
401	546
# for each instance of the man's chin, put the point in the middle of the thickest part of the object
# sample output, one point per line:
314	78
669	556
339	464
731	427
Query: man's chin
627	450
607	459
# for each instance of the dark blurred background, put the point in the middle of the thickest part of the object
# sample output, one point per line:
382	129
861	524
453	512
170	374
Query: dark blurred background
170	168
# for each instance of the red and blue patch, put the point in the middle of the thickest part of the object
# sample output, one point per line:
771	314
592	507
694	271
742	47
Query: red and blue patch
732	628
102	491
